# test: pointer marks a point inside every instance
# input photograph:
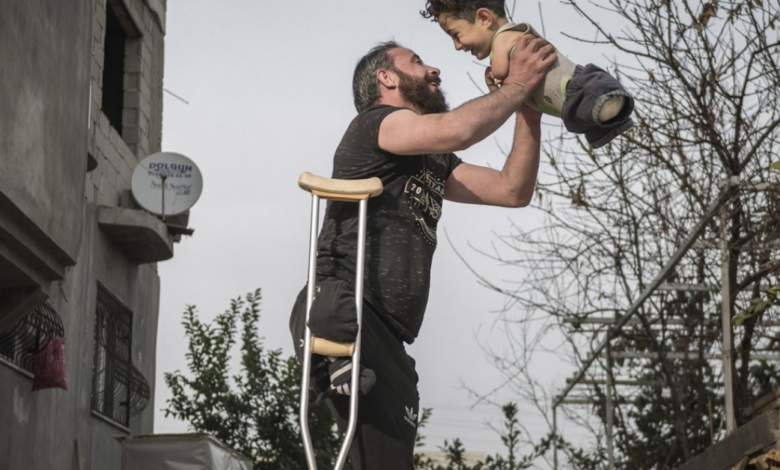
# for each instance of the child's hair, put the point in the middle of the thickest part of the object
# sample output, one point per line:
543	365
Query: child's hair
463	9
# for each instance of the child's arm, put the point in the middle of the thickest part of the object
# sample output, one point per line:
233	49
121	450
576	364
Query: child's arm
503	45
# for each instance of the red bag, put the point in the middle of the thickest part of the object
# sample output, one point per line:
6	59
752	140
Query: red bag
50	366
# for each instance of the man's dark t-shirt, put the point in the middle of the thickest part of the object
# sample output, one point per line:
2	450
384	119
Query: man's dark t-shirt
401	227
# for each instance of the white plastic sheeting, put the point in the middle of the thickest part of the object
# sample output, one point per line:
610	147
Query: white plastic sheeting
179	452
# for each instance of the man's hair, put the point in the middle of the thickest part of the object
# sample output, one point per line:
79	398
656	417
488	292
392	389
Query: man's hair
463	9
365	85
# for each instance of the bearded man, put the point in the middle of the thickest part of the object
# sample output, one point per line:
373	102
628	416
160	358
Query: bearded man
405	135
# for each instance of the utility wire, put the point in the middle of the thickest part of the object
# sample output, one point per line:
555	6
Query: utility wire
176	96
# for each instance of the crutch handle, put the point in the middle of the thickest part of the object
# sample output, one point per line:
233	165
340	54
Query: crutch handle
340	190
331	348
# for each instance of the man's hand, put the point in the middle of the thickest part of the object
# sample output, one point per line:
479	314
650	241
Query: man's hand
531	117
492	82
529	63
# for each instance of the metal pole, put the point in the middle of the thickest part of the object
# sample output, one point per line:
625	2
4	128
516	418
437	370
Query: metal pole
725	281
555	436
355	380
163	177
610	410
312	279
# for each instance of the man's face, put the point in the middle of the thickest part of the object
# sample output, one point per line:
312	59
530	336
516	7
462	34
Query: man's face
419	84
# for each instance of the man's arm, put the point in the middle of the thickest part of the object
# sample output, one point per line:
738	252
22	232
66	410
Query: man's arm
405	132
513	186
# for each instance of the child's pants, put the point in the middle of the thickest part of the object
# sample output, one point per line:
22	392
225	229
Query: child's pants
590	87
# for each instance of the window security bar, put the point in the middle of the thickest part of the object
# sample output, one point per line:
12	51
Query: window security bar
21	342
119	389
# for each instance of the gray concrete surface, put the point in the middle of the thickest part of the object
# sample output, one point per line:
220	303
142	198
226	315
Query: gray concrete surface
51	243
39	429
44	100
140	235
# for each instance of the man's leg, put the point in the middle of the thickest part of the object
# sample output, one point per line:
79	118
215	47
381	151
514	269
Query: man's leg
388	415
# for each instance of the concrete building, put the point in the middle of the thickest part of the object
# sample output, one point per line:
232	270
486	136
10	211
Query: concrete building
80	105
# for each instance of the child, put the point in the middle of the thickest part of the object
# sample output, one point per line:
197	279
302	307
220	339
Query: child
589	100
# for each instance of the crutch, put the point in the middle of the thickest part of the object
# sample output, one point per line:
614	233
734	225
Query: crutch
346	191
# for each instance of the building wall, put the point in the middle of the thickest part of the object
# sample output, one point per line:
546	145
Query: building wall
50	98
40	428
118	151
43	120
42	144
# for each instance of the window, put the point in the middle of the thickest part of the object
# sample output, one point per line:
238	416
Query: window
114	70
126	65
118	388
20	343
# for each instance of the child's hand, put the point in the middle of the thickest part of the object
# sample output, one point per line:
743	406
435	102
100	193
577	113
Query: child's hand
492	82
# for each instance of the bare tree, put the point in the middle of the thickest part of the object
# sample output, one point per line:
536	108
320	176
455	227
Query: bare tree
706	81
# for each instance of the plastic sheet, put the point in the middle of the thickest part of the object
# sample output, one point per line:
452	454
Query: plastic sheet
179	452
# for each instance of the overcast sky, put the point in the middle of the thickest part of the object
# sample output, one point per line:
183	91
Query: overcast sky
269	92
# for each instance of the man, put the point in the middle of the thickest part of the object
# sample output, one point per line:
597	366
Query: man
404	135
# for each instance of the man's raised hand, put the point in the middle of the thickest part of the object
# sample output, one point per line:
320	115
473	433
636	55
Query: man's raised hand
529	63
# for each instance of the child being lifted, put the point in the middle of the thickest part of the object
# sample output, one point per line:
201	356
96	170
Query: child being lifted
588	99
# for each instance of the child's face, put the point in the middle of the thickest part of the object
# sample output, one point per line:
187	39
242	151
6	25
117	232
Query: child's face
476	37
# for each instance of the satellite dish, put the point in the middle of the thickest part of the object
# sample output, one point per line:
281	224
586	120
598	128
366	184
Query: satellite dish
166	183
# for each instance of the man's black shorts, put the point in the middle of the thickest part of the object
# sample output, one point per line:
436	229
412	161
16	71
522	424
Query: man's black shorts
388	415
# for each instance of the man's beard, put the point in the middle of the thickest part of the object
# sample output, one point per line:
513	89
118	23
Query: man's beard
417	92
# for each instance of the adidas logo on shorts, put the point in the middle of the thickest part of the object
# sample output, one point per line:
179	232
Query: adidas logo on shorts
410	417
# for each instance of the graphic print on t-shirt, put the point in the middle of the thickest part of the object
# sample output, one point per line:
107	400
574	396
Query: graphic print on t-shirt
425	193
